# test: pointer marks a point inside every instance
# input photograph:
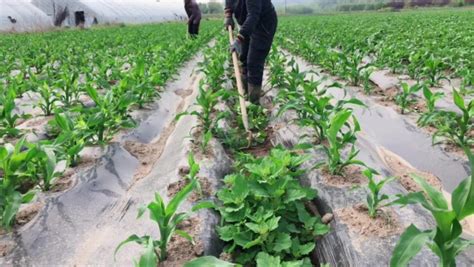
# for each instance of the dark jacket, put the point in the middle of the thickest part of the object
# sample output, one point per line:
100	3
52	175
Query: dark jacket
250	13
193	11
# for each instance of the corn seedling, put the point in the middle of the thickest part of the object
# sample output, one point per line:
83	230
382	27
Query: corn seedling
49	98
71	139
338	139
451	126
167	219
8	117
374	198
109	115
16	170
445	240
406	97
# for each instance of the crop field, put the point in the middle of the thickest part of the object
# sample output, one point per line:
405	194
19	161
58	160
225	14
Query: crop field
126	145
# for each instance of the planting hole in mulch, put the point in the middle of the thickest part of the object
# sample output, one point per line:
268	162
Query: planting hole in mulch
27	213
180	250
6	247
352	175
402	169
359	221
195	196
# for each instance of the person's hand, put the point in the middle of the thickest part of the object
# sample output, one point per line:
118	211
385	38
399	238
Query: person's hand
236	46
229	21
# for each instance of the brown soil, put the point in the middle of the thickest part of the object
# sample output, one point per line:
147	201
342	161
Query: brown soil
64	182
183	93
6	247
386	95
180	250
264	149
352	175
148	154
359	221
402	169
26	214
195	196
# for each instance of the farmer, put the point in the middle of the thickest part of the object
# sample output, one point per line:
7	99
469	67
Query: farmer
194	15
258	20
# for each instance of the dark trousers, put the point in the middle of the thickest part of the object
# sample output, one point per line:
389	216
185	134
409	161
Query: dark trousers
256	50
193	28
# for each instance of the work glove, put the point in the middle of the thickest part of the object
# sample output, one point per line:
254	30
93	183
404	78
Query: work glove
236	46
229	20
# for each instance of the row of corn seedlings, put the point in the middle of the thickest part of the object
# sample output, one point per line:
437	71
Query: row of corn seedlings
329	119
26	167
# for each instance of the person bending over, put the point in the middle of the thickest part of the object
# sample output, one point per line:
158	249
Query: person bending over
258	20
194	15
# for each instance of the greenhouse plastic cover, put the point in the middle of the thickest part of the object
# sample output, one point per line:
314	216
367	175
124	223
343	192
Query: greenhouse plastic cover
33	15
28	17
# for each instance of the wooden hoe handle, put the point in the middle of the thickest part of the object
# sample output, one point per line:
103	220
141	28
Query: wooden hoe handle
240	86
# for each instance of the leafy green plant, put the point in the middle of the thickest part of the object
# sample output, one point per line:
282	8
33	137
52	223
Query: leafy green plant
406	97
445	240
258	207
167	219
374	198
16	171
264	259
338	139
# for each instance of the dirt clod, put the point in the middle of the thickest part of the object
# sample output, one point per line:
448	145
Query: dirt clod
327	218
183	170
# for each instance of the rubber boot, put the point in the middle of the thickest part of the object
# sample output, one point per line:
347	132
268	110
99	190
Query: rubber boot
254	93
245	83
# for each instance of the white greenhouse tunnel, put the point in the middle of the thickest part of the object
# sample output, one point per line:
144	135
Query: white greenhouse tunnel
39	15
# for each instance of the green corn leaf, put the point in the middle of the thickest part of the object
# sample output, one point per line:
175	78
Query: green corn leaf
410	243
149	258
437	198
180	197
209	261
11	208
132	238
204	205
184	235
463	195
28	197
458	100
